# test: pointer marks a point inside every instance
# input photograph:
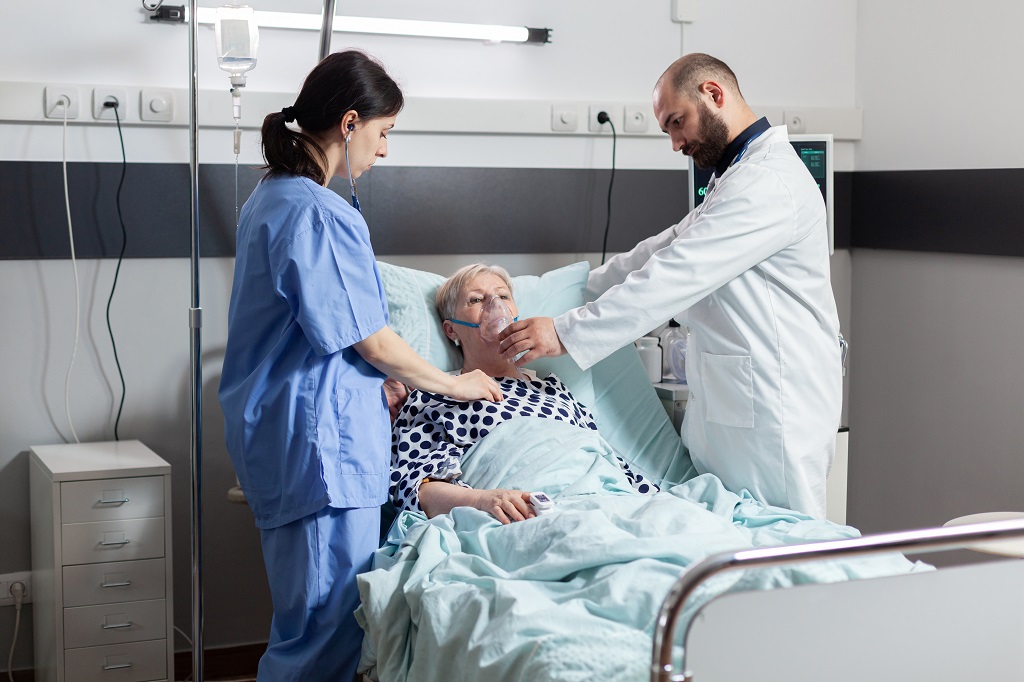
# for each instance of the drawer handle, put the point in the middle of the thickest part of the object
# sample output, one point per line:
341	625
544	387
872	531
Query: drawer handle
115	626
122	501
123	583
114	544
117	666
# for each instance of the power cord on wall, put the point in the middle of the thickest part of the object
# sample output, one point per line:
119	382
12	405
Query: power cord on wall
603	117
124	242
74	266
18	592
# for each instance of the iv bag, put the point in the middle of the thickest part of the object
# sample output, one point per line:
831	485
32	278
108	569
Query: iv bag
496	317
237	40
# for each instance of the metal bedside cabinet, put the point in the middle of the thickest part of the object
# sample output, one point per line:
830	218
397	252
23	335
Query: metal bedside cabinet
101	563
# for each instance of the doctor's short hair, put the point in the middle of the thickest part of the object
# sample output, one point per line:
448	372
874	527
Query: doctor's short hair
689	71
447	297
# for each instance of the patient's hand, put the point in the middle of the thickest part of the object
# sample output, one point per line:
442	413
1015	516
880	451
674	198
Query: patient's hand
505	505
440	497
396	393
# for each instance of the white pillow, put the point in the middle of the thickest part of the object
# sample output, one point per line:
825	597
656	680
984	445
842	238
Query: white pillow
414	317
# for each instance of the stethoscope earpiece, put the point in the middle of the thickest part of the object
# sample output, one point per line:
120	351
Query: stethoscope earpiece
348	166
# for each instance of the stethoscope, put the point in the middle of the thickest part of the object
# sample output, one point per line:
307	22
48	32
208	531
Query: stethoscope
348	167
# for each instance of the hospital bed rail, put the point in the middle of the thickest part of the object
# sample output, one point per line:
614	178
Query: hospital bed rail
910	541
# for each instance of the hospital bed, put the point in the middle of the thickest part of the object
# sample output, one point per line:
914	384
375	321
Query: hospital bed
588	596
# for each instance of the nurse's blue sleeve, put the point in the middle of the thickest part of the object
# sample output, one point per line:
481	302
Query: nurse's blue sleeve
327	274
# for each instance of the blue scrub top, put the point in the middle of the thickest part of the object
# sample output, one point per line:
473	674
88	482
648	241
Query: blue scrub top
306	420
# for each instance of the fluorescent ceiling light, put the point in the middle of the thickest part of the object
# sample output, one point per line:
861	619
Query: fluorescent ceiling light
402	27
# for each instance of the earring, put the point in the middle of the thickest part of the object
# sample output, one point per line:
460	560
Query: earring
456	342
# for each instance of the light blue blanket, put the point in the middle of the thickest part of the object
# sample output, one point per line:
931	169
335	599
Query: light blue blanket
571	595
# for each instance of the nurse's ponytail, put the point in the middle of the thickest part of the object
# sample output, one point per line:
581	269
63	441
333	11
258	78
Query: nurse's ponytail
343	81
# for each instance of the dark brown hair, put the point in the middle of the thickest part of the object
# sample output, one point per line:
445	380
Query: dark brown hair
343	81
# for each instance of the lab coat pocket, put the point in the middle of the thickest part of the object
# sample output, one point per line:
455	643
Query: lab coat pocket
728	389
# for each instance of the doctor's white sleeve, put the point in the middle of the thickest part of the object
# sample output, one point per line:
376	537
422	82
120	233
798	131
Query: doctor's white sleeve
619	267
750	217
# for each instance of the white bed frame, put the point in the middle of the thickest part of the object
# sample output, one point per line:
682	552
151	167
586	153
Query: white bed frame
961	623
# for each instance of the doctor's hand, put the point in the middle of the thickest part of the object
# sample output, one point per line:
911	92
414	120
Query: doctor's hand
536	336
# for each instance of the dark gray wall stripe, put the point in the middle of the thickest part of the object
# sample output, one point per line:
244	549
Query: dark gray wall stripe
842	199
949	211
410	210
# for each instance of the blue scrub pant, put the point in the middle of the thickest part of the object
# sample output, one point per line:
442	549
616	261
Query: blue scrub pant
312	565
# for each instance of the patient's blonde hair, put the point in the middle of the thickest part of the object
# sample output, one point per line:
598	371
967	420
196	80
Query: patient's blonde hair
447	297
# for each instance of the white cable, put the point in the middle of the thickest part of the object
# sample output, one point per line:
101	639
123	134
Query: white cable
182	633
189	640
18	593
74	266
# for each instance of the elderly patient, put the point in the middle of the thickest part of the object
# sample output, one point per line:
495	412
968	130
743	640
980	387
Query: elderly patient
431	432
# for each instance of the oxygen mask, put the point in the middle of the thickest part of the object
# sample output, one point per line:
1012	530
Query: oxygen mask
495	317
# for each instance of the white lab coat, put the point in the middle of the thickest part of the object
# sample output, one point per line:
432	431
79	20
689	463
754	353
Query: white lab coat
748	273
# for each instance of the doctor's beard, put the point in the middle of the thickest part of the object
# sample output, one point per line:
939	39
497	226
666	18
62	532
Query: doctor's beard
714	134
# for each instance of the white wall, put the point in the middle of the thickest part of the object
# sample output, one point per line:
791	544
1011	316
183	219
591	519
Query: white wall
602	50
936	391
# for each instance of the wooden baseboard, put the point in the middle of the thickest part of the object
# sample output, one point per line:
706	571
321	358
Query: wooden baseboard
223	663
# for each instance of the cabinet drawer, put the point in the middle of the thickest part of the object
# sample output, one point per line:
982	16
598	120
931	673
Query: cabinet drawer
112	498
134	662
89	584
132	621
102	541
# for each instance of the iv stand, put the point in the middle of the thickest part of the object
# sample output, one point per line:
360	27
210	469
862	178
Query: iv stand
195	319
325	29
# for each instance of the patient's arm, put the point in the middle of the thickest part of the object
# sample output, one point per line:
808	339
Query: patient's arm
440	497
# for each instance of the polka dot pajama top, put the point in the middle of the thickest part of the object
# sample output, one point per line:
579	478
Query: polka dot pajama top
431	432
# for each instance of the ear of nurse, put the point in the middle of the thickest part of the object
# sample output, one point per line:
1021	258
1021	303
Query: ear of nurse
364	139
535	336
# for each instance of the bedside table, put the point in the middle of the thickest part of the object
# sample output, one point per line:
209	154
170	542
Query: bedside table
101	562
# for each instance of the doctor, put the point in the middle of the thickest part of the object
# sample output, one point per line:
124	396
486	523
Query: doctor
748	273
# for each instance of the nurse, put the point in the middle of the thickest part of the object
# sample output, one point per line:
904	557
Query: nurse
308	349
748	273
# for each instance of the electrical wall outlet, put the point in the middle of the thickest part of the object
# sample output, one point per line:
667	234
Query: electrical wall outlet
104	113
8	579
56	97
638	118
615	113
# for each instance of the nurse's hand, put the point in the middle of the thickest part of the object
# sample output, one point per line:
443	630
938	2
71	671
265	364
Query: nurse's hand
475	385
536	336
